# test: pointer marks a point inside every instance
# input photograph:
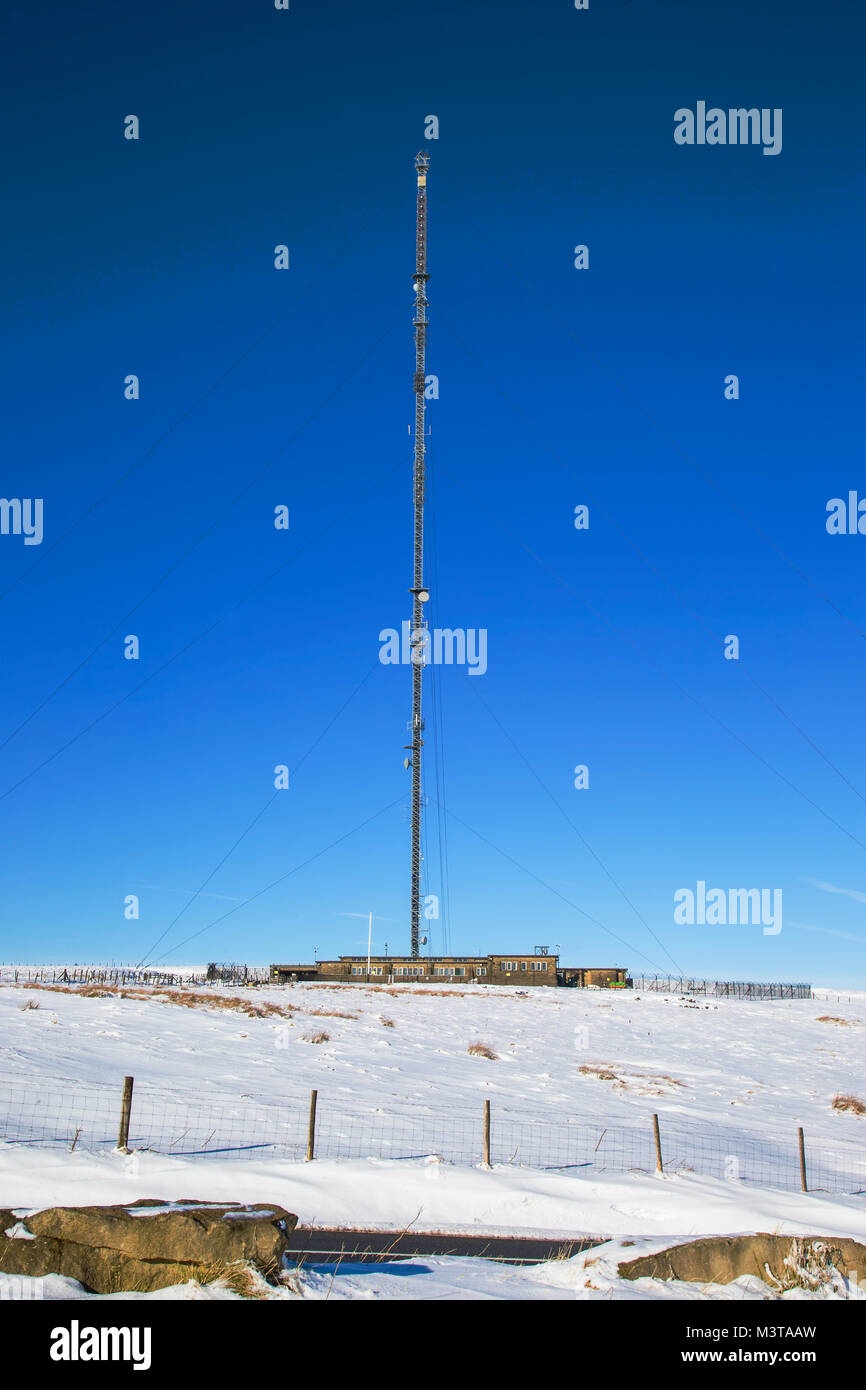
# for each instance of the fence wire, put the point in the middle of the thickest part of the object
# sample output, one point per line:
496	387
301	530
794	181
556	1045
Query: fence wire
720	989
78	1118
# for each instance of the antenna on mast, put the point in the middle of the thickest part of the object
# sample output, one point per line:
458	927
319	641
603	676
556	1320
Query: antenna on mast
420	593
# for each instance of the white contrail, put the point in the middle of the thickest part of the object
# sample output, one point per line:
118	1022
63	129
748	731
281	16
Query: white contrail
831	888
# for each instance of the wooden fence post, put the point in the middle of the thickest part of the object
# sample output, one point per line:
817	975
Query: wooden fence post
802	1144
125	1113
658	1139
311	1128
486	1159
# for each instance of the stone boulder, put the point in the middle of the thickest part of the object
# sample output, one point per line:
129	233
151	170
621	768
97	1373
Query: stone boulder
785	1260
147	1245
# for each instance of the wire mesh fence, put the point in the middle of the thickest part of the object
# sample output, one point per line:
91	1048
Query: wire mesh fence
107	975
87	1118
720	989
78	1118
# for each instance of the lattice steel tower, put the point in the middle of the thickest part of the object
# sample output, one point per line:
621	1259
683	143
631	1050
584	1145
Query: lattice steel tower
419	591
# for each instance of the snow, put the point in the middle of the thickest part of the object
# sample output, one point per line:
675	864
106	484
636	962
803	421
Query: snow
18	1232
748	1072
589	1276
383	1195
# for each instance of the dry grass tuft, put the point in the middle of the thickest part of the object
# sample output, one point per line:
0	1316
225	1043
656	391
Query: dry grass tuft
850	1103
842	1022
809	1265
191	999
245	1280
64	989
603	1073
386	1022
31	1004
330	1013
480	1049
436	993
230	1003
647	1083
401	991
318	1038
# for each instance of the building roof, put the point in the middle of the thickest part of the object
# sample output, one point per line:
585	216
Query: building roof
440	960
594	967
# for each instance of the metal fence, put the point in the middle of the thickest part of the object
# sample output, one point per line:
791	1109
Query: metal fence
93	975
721	989
236	973
84	1118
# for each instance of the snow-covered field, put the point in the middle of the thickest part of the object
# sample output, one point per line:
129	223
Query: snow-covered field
743	1072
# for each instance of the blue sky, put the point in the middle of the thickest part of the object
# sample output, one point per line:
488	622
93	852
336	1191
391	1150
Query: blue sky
557	387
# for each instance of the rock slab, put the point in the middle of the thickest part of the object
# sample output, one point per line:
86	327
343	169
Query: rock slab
786	1260
146	1245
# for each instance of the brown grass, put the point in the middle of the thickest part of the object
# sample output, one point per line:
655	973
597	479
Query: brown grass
387	1022
400	992
850	1103
186	998
88	990
318	1038
653	1079
230	1003
602	1073
842	1022
190	999
245	1280
240	1276
480	1049
331	1014
433	993
809	1264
